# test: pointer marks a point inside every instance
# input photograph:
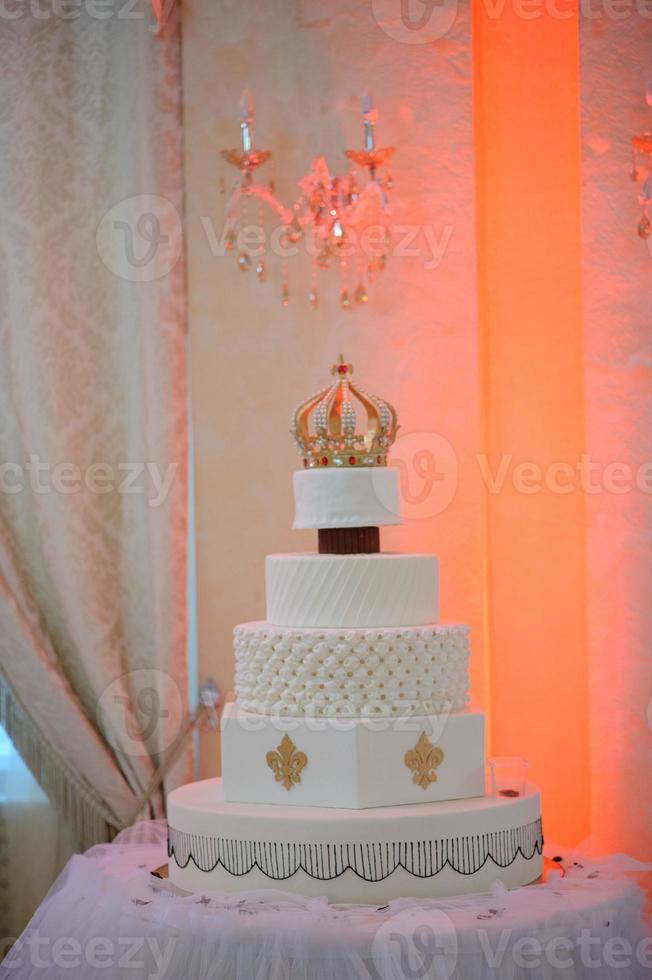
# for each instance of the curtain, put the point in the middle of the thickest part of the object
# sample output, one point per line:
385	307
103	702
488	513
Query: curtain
92	408
617	267
34	844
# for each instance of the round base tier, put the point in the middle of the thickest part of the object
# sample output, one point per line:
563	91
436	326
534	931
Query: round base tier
368	856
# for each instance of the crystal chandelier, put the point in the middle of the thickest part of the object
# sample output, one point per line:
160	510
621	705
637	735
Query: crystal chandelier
341	221
642	171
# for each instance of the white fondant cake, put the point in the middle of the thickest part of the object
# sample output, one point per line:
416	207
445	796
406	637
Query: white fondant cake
419	850
349	497
338	591
354	762
383	671
351	767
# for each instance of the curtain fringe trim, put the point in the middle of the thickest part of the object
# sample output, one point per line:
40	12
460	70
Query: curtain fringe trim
88	818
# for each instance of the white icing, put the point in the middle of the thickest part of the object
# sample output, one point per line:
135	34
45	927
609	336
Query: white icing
349	497
352	762
359	672
224	828
340	591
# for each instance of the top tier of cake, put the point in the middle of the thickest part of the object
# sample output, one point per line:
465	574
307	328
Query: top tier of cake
349	497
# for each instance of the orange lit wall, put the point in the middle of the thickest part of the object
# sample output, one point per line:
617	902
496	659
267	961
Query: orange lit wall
527	146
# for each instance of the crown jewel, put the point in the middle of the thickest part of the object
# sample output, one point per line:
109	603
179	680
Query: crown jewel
325	426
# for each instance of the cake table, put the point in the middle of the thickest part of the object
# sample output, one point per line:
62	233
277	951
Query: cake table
108	917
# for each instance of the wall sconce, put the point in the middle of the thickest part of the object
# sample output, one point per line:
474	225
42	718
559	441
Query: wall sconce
341	221
642	171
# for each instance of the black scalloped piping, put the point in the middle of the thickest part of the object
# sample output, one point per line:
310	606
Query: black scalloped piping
371	862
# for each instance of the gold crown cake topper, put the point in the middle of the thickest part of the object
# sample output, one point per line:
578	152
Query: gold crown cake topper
325	425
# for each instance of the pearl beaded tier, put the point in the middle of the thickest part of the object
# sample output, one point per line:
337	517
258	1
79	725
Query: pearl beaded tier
360	672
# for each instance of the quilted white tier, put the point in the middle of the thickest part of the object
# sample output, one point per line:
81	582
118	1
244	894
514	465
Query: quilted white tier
351	672
371	856
364	497
341	591
351	762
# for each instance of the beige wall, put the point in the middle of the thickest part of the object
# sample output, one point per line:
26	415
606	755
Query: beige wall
306	64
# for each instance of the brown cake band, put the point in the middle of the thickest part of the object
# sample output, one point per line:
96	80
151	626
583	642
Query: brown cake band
349	541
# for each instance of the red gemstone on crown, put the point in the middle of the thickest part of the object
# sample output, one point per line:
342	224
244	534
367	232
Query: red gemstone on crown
379	459
342	368
324	461
351	460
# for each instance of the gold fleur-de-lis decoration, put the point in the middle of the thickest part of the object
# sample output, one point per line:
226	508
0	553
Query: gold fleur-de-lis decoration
287	763
423	761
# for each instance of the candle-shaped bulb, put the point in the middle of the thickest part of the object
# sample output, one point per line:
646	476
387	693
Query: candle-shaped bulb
246	107
368	104
370	116
246	120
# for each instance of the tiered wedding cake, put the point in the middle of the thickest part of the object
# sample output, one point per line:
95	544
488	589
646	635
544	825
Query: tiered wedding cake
352	767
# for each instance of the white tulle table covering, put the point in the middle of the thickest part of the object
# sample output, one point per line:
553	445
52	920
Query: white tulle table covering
107	916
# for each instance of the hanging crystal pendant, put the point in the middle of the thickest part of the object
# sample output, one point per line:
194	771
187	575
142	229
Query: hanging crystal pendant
261	271
360	295
345	302
337	233
244	262
285	294
645	227
230	240
294	230
313	298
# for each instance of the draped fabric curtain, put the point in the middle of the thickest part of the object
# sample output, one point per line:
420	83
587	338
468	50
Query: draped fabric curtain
34	844
93	440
